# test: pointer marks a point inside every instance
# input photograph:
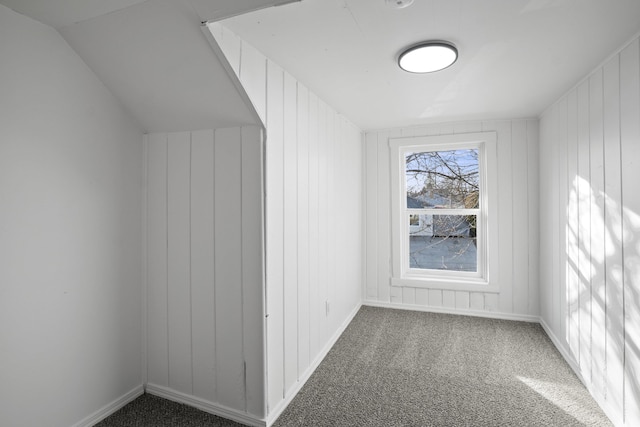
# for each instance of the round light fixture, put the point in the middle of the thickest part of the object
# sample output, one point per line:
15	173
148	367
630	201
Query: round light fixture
428	57
398	4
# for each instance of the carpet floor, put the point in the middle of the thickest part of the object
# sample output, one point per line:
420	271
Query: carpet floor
406	368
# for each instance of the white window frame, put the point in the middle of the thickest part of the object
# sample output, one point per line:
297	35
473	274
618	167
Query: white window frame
486	228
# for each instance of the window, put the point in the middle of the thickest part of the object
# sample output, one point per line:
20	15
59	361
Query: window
441	188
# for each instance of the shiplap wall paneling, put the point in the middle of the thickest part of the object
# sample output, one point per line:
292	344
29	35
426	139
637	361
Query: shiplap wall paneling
178	265
514	268
520	212
157	344
545	239
202	264
319	305
274	233
533	200
313	176
505	214
228	267
597	327
573	223
314	229
598	289
205	279
304	232
253	269
371	217
584	231
252	67
614	320
562	201
290	223
630	154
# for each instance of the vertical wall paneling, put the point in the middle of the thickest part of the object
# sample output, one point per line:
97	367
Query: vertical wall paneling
319	304
515	268
599	328
505	215
545	249
144	267
275	225
383	215
314	228
572	212
476	301
303	278
205	268
614	310
584	231
253	309
290	250
596	167
561	136
252	74
157	344
520	213
230	44
228	268
371	209
448	299
630	154
533	200
313	263
202	265
178	266
435	298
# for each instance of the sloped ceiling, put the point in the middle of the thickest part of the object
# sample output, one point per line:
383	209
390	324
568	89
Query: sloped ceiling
516	56
153	56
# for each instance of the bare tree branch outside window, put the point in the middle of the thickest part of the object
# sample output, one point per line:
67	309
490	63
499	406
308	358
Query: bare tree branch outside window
443	180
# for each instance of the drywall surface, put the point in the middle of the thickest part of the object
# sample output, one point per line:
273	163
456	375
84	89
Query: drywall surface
70	242
590	226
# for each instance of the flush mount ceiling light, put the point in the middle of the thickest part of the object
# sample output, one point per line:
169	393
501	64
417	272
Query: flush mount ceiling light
428	57
398	4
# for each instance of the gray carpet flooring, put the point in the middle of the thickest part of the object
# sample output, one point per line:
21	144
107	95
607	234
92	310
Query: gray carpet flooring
405	368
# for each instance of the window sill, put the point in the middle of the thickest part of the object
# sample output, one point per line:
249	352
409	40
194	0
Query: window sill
443	283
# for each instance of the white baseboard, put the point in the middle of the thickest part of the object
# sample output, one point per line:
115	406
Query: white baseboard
447	310
110	408
615	418
280	407
205	405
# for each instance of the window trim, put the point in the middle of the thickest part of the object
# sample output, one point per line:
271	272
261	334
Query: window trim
402	275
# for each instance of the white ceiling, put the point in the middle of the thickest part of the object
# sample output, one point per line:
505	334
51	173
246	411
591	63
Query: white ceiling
153	56
516	56
60	13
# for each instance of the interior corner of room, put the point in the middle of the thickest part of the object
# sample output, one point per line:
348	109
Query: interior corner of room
197	197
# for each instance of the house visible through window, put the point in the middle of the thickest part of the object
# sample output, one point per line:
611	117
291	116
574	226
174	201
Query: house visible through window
438	181
440	208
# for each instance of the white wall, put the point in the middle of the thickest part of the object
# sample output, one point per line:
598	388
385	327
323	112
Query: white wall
205	305
70	235
517	263
313	218
590	226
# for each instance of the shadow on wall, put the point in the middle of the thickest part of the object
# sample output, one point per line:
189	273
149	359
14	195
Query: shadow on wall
603	327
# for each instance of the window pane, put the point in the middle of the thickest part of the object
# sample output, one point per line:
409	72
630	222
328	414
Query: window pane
442	179
443	242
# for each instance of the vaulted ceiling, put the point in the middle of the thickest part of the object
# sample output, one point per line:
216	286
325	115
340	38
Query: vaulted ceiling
153	56
516	56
